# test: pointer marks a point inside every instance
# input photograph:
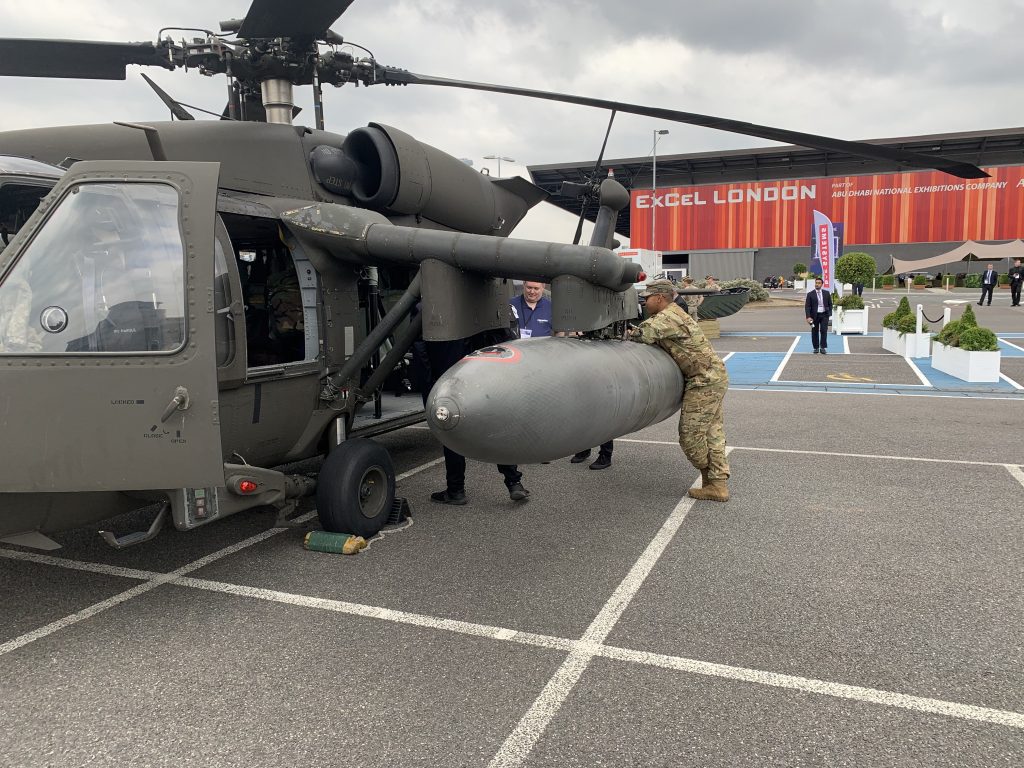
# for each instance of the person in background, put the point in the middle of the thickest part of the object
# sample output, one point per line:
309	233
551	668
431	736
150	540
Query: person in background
989	278
532	311
1016	279
818	309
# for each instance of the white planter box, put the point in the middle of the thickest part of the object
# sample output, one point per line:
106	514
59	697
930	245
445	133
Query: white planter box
798	285
908	345
850	321
969	366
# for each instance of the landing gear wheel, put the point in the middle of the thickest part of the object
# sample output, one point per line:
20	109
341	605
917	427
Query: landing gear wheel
356	488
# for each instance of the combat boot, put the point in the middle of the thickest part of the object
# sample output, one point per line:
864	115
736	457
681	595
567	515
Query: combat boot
714	490
704	478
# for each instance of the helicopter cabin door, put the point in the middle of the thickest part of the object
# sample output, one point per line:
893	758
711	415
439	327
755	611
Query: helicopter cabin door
108	375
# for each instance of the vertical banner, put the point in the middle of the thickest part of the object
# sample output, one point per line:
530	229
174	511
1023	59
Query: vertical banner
824	260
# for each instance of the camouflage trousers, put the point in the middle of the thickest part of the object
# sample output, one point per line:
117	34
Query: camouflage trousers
701	429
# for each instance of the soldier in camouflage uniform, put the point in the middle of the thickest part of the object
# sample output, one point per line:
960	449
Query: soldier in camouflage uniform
701	433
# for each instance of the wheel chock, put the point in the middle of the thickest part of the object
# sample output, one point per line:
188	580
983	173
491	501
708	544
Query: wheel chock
400	510
335	543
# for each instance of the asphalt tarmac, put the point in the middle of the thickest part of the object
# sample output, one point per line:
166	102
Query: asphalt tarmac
856	603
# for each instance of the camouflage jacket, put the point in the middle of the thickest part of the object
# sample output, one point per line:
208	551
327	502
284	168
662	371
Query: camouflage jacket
678	334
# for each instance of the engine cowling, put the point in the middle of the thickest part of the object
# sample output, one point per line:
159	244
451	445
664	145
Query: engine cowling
387	170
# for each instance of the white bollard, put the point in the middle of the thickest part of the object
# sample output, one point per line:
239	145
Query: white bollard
920	318
947	315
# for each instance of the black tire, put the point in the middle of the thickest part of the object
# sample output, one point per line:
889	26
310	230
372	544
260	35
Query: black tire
356	488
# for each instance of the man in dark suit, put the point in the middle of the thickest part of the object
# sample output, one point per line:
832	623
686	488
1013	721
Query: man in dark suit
988	282
1016	280
818	309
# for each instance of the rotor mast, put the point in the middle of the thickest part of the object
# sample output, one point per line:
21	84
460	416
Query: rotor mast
277	100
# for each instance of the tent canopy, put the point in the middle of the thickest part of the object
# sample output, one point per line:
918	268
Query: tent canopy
981	251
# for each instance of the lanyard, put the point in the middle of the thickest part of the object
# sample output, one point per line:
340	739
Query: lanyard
525	320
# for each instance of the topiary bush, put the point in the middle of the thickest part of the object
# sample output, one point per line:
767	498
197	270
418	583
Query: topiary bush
967	334
893	319
920	280
855	267
976	339
799	268
1004	280
850	302
908	324
972	281
950	334
968	318
757	291
887	280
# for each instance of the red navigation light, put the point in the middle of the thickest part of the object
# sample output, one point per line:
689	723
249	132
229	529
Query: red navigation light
247	486
641	277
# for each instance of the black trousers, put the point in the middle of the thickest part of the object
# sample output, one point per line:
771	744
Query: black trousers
455	471
1015	293
986	289
858	289
819	330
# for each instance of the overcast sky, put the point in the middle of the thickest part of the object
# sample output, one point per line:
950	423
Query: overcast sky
869	69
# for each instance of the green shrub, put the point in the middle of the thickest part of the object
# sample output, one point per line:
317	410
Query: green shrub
1004	279
799	268
757	291
920	280
855	267
972	281
887	280
894	319
908	324
975	339
967	334
850	302
968	318
950	334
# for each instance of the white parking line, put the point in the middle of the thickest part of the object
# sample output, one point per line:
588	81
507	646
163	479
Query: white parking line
917	372
832	453
725	358
581	651
520	743
822	687
789	354
1010	381
79	565
141	589
418	469
1016	472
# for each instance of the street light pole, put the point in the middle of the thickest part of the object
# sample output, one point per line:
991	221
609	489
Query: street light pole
654	181
499	158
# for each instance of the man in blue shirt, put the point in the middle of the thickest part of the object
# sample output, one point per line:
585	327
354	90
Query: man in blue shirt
532	311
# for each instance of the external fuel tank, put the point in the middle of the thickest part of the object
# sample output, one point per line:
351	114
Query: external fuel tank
537	400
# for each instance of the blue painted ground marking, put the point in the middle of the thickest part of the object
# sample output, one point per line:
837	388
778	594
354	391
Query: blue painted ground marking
754	370
753	367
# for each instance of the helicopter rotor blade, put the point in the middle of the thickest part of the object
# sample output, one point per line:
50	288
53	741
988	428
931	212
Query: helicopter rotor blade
176	108
84	59
394	76
588	194
272	18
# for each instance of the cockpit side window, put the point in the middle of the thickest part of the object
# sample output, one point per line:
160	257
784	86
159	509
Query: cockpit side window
104	274
18	200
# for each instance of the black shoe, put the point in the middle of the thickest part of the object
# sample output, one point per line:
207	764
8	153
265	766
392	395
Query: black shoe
458	498
580	457
979	303
823	351
814	352
516	492
602	462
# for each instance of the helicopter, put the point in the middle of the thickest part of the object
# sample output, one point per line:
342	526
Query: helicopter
187	305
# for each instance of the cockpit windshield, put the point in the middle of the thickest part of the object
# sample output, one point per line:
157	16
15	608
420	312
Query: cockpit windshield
104	274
